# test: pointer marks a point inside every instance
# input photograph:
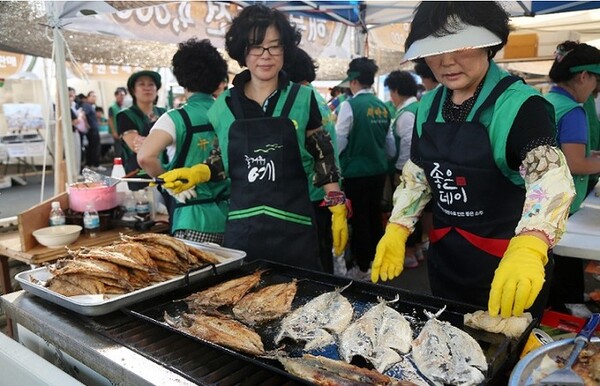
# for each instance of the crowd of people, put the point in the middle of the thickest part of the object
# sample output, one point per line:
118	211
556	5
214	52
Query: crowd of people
469	169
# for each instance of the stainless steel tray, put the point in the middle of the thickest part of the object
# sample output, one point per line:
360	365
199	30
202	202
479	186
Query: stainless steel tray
94	305
523	373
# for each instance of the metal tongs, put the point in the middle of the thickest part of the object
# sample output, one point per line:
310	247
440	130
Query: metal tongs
91	176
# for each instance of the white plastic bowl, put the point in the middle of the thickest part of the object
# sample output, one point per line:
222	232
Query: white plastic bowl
57	236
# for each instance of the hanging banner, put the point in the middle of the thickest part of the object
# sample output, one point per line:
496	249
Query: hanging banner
10	63
176	22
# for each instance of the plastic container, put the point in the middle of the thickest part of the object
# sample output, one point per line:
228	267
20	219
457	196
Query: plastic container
129	206
91	221
57	216
118	171
101	196
142	204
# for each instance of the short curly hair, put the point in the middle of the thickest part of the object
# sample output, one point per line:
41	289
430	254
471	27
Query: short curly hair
402	82
250	26
302	68
434	18
367	68
571	54
198	66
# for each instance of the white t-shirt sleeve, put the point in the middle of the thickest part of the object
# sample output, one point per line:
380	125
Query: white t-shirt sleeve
166	124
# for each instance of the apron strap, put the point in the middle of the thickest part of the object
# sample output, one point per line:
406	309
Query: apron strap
496	92
236	103
435	105
189	133
289	103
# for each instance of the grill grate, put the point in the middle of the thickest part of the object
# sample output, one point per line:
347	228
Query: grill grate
193	360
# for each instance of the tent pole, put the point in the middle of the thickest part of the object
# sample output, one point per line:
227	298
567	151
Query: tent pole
65	115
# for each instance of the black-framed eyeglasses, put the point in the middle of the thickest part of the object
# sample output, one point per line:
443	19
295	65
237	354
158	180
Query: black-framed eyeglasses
259	50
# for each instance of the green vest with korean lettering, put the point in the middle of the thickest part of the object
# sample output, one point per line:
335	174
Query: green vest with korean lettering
364	154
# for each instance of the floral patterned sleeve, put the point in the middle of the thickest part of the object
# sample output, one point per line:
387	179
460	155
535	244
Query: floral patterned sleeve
410	196
549	192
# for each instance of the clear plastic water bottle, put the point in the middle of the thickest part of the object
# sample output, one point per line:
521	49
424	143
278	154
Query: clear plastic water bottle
118	171
142	205
129	206
57	216
91	221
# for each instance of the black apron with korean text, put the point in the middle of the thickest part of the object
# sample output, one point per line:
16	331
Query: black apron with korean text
475	207
270	213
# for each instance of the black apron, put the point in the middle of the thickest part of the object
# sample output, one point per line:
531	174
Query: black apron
270	213
476	208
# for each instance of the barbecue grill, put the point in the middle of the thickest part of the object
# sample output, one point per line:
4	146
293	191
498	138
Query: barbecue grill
137	347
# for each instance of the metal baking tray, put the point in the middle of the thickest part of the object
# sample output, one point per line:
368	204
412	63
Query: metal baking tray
523	373
501	352
94	305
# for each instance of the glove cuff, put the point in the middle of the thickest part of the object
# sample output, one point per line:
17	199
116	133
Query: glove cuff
532	243
398	230
334	198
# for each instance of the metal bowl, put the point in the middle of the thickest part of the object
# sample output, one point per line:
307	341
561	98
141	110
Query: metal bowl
521	374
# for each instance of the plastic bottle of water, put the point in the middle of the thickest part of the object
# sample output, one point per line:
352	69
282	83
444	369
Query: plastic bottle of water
57	216
118	171
142	205
91	221
129	206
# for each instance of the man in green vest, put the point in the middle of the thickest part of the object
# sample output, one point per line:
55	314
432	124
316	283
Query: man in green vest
594	129
365	143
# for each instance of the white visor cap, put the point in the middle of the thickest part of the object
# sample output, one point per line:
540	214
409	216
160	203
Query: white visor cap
465	37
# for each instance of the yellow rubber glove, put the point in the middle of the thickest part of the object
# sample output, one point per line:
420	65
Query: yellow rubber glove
389	256
339	228
520	276
175	179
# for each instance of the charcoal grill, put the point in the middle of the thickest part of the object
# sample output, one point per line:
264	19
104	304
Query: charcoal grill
136	347
501	352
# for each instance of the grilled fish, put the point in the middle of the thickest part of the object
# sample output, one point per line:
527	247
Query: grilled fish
219	330
227	293
178	246
324	371
268	303
448	355
315	321
379	336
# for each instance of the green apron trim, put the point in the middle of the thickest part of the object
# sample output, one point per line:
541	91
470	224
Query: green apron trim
269	211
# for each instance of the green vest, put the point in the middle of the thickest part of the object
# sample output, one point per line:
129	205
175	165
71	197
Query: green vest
498	120
221	118
207	213
317	193
562	105
364	154
594	124
412	108
142	124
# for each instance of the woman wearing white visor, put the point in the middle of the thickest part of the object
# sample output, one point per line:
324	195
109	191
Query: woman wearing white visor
484	151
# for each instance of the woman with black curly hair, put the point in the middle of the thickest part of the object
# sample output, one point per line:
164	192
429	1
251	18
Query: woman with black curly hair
199	213
269	129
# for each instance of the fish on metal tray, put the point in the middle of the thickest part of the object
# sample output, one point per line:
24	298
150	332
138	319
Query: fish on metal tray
268	303
224	294
379	336
324	371
316	321
219	330
447	355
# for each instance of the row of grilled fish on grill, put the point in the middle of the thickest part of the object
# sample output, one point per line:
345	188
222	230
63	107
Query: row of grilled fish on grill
134	262
441	353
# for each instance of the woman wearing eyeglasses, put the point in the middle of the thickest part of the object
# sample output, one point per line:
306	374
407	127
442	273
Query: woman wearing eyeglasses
269	132
576	74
